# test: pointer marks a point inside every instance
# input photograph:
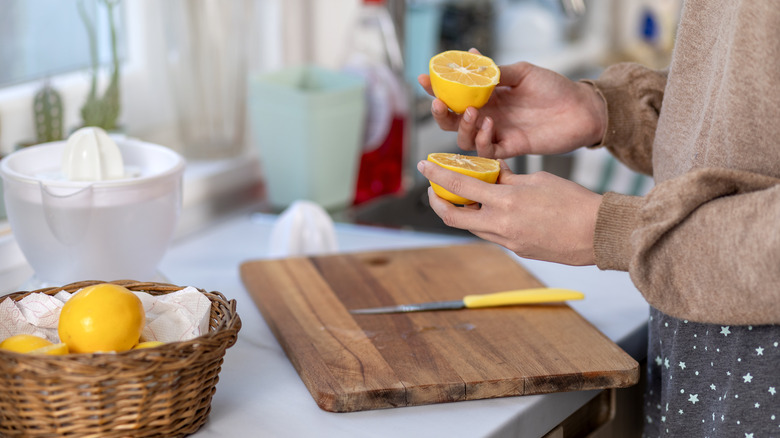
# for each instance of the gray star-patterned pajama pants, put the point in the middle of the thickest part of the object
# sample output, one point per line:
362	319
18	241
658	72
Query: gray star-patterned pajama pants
712	381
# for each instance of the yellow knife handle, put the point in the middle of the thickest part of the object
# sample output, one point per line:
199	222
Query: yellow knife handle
522	296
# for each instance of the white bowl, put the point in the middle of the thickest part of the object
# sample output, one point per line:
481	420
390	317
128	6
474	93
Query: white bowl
105	230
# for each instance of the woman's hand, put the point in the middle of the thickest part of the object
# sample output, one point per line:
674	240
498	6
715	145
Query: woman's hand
531	111
538	216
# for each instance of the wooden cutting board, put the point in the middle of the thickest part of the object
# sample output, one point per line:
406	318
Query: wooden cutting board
360	362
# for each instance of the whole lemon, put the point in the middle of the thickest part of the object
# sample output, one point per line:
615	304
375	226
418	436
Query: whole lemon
24	343
101	318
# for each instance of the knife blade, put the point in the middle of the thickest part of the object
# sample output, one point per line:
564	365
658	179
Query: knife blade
508	298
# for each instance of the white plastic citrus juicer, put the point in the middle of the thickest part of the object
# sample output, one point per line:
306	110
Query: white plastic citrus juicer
94	207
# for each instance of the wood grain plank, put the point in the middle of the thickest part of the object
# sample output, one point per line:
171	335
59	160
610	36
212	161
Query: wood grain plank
358	362
335	360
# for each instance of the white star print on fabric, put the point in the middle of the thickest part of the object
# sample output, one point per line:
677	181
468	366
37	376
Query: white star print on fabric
741	377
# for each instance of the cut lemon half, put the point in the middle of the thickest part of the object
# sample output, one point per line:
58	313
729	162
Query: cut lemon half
463	79
484	169
147	344
52	350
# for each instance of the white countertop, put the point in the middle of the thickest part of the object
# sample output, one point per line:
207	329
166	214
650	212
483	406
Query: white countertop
260	394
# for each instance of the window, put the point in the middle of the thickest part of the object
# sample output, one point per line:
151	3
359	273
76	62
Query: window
149	109
47	42
43	38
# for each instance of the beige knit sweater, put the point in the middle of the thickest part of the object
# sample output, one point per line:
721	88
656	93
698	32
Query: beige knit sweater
704	244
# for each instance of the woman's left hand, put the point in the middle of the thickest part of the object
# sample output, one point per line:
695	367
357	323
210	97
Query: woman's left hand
538	216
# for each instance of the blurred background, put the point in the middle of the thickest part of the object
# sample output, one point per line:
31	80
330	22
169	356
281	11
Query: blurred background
277	100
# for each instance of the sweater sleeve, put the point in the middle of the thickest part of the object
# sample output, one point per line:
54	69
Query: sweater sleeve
633	95
703	246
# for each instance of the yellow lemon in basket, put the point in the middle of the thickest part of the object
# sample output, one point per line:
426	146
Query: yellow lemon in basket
101	318
484	169
24	343
148	344
52	350
463	79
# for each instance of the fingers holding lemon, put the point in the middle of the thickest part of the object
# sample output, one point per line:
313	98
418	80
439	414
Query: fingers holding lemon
483	169
462	79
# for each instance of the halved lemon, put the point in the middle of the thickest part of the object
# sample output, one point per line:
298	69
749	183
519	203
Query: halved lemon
484	169
52	350
463	79
147	344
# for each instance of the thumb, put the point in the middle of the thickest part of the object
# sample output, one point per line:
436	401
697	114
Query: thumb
513	74
504	170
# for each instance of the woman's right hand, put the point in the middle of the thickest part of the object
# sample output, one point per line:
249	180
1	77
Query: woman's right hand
532	111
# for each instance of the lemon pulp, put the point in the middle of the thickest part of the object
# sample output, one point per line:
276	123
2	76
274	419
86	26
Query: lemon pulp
463	79
484	169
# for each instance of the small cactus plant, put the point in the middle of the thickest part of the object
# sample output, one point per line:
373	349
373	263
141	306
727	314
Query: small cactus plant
47	109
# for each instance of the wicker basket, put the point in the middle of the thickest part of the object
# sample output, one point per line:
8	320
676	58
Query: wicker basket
163	391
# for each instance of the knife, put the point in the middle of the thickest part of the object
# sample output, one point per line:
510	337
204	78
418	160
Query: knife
508	298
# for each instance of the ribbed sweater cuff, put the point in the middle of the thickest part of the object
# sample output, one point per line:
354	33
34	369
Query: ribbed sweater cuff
592	83
618	217
620	123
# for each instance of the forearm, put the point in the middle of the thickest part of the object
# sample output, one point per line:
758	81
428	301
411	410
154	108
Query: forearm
703	246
